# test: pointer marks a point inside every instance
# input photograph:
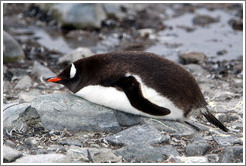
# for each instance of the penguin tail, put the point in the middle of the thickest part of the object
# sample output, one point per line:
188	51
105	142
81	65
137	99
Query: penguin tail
212	119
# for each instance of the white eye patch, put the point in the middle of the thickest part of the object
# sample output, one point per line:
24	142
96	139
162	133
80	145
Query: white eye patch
72	71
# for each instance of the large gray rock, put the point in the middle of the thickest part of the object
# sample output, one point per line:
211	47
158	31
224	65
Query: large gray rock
11	49
44	158
41	71
233	154
24	83
10	154
198	147
59	111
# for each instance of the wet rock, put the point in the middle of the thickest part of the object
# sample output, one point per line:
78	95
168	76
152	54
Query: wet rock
192	57
79	15
70	141
59	111
203	20
24	83
233	154
44	158
41	71
195	159
10	154
198	147
141	134
11	49
75	55
103	156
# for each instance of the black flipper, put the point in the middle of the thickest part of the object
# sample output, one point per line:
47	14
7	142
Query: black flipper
213	119
132	89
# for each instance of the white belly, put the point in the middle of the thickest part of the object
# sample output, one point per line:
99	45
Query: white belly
113	98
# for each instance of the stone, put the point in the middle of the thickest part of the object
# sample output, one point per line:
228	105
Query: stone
70	141
78	154
233	154
224	140
59	111
44	158
24	83
79	15
25	97
41	71
192	57
11	49
126	119
193	159
75	55
10	154
203	20
103	156
140	134
197	147
213	158
56	148
5	69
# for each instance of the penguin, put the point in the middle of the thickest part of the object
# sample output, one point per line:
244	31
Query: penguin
139	83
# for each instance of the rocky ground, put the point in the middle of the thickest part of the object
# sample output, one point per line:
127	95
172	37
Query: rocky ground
45	123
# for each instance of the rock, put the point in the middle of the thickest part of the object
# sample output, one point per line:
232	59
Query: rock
31	142
141	134
236	24
147	33
226	140
79	15
44	158
56	148
75	55
59	111
125	119
222	52
78	154
192	57
11	49
198	147
194	159
233	154
41	71
203	20
195	68
24	83
10	154
103	156
70	141
25	97
5	69
213	158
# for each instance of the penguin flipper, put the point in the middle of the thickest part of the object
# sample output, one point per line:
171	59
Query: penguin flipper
132	89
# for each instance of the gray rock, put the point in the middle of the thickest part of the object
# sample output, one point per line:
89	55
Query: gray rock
10	154
103	156
24	83
31	142
11	49
213	158
233	154
78	154
192	57
75	55
79	15
227	140
44	158
70	141
125	119
59	111
5	69
197	148
203	20
141	134
25	97
41	71
56	148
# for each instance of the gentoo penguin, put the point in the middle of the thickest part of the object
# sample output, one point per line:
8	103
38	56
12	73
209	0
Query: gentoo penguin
136	82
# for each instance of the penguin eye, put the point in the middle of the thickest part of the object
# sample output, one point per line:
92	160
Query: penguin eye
72	71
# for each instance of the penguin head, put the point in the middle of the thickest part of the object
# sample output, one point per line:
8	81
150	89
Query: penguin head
69	77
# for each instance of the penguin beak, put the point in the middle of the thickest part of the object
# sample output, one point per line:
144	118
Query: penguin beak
53	79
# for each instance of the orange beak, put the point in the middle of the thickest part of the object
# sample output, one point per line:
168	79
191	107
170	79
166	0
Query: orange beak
53	79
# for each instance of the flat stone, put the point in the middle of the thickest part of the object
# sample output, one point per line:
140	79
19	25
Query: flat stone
233	154
213	158
11	49
59	111
77	153
44	158
224	140
70	141
197	147
126	119
193	159
10	154
24	83
26	97
192	57
141	134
